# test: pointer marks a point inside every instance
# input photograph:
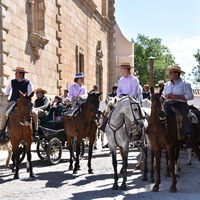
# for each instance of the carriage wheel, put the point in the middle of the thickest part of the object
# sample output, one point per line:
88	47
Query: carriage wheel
82	148
54	151
41	150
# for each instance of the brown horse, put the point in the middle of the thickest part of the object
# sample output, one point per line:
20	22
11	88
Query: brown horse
83	125
20	129
163	135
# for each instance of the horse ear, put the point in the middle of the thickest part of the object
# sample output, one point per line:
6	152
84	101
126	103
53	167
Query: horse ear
21	93
31	95
152	89
161	89
115	100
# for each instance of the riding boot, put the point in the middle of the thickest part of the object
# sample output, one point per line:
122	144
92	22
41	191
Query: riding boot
3	134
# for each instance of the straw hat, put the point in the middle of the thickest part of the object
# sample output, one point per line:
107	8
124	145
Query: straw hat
40	90
174	68
79	75
146	85
125	65
19	69
161	82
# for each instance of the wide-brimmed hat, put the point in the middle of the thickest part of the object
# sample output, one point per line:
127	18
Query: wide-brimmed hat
125	65
40	90
19	69
79	75
146	85
161	82
174	68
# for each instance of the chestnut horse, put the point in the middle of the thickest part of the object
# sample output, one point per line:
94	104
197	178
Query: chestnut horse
162	133
20	129
83	125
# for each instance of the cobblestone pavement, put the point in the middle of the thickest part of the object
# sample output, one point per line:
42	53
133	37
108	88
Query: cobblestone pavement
57	182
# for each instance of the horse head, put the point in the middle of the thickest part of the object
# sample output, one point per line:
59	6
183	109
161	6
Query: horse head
158	101
93	101
111	102
24	107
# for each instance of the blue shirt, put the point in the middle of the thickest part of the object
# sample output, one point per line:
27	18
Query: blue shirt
180	87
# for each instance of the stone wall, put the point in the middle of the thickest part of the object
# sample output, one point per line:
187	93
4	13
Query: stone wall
55	39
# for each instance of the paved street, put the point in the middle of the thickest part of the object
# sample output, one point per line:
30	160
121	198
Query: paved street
56	182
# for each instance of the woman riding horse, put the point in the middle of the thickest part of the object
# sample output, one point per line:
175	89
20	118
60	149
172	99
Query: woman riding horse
83	125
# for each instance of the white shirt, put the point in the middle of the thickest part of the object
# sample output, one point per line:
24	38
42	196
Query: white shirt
128	86
77	90
180	87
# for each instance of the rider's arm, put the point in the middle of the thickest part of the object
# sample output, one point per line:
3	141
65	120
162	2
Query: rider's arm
30	87
135	87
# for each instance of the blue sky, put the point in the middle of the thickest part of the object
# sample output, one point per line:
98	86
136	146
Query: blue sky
176	22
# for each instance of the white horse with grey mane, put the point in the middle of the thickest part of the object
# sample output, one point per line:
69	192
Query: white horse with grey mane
118	132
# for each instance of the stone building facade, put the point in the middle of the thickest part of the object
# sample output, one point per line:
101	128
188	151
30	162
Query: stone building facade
54	39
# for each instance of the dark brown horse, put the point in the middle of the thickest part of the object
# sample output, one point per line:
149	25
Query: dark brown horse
83	125
20	129
163	135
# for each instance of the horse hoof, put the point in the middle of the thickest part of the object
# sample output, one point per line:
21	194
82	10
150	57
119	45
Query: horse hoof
90	171
74	171
32	175
115	187
155	189
70	168
173	190
16	177
123	187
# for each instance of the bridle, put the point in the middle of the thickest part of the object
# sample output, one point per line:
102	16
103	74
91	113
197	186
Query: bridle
115	128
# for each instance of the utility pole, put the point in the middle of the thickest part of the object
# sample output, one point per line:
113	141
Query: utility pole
151	71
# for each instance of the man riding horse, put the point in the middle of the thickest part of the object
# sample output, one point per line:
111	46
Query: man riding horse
20	83
177	92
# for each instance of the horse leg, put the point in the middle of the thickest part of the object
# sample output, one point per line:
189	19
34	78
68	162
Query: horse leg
189	156
157	183
144	151
122	155
91	142
29	163
114	162
172	169
152	167
167	170
77	165
125	165
16	161
70	146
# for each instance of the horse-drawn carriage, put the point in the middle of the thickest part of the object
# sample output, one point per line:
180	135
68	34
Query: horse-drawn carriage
53	139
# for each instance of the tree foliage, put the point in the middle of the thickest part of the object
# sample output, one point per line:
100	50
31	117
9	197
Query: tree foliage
146	47
196	70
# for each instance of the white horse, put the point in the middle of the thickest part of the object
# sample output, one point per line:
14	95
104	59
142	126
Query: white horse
118	132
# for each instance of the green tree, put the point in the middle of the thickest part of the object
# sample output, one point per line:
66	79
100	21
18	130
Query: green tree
196	70
146	47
